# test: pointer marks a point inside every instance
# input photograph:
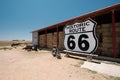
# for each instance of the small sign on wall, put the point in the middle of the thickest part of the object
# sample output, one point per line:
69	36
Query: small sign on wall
81	36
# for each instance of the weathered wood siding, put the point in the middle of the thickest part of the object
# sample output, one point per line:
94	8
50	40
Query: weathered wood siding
104	34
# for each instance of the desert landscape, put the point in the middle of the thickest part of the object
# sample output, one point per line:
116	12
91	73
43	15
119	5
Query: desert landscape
19	64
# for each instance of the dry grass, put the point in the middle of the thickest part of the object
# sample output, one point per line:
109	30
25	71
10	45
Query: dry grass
5	48
114	78
81	62
8	43
5	43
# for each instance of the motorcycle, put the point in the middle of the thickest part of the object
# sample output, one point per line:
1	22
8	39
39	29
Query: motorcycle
56	53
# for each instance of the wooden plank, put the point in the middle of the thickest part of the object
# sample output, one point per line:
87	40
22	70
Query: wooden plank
78	53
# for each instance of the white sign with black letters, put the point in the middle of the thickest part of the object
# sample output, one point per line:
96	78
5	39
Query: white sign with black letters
81	37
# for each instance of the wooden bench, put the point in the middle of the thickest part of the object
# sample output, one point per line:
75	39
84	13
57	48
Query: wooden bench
88	56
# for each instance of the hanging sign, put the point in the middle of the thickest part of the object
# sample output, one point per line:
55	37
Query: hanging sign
81	37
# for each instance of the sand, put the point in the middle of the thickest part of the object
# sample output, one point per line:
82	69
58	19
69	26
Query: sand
18	64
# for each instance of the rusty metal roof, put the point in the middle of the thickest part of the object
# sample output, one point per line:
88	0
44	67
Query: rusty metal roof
82	17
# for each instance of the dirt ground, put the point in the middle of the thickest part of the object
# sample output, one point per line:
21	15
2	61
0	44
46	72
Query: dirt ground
18	64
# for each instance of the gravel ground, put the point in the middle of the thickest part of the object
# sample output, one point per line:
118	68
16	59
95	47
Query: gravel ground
17	64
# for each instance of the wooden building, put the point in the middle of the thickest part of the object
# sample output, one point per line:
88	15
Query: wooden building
107	31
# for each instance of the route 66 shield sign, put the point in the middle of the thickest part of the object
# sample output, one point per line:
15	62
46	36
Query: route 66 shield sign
81	37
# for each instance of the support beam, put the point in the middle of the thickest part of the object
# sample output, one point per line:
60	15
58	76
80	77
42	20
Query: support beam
38	40
46	38
113	34
57	36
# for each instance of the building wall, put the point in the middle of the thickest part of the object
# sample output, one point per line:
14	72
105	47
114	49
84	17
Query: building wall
61	40
118	38
104	35
42	40
54	34
49	40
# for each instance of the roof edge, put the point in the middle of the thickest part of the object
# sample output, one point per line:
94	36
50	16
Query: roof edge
95	13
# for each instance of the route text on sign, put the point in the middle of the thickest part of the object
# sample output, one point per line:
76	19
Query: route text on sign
78	27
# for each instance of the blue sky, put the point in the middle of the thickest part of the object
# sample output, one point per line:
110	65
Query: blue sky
19	17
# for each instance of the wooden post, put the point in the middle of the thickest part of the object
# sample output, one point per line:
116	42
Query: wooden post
45	38
38	40
113	34
57	36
